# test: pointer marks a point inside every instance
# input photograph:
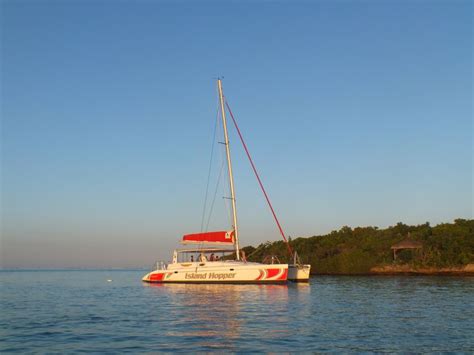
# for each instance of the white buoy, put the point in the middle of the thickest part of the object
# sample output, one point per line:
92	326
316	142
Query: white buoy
109	280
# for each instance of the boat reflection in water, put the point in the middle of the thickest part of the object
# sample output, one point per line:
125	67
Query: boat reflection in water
220	315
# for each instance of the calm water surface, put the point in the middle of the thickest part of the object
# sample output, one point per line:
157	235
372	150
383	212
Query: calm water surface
69	311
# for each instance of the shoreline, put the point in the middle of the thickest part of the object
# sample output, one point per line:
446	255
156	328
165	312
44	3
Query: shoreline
393	270
409	273
407	269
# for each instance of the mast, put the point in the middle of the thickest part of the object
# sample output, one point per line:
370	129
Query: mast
229	165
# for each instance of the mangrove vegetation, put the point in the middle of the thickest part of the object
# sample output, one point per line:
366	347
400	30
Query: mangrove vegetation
359	250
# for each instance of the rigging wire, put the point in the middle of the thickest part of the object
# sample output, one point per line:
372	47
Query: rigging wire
259	181
215	194
210	166
207	216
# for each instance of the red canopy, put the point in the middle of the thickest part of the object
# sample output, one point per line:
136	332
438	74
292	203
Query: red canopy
220	237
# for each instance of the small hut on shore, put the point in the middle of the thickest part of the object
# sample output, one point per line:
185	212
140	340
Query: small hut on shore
405	244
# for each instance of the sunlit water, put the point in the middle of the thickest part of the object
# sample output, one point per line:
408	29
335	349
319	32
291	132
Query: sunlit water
67	311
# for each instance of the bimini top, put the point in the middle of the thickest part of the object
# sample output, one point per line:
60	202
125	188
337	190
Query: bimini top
220	237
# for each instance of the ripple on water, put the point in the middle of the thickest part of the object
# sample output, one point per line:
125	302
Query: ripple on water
53	311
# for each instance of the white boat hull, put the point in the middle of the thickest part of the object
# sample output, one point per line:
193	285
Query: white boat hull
219	272
299	273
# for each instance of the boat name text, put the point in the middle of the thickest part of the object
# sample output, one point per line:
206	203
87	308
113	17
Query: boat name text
209	276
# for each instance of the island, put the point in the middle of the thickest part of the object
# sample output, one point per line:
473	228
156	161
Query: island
444	249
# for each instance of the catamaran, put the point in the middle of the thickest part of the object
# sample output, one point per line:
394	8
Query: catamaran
216	257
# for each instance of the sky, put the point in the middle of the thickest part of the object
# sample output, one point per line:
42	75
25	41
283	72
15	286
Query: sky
357	113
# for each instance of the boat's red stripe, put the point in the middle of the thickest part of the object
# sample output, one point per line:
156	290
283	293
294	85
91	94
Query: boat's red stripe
261	275
283	276
157	277
272	273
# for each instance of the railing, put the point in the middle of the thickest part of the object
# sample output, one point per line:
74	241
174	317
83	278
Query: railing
271	259
160	265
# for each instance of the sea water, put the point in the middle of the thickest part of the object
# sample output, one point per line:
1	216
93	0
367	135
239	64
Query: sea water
113	311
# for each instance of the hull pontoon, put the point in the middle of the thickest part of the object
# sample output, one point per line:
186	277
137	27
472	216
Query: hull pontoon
219	272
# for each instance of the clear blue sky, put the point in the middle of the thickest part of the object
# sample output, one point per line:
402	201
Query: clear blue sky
356	113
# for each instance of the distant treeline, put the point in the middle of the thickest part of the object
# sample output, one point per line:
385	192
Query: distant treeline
356	251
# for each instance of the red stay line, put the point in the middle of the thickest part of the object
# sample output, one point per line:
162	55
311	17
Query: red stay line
259	181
